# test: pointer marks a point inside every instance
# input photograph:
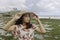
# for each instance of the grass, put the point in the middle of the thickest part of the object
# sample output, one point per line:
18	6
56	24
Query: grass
54	34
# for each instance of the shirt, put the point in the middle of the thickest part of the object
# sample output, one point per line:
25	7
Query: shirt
24	34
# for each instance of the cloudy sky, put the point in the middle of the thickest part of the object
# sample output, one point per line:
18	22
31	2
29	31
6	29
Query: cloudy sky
41	7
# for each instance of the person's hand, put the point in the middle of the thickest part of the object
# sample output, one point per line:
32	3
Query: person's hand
17	16
36	18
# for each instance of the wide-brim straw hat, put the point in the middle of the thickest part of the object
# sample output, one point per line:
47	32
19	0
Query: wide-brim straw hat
12	21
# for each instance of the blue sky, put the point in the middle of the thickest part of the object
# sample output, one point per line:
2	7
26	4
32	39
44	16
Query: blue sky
41	7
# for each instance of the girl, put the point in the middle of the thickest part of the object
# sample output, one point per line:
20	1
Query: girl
23	29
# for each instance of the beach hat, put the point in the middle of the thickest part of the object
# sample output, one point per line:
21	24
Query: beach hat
18	15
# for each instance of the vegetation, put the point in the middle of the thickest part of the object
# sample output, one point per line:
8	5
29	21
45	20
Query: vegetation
52	34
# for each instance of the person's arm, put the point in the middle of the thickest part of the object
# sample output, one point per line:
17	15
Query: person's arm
12	22
9	24
41	29
11	28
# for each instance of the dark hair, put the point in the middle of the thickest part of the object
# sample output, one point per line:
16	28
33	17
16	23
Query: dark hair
20	20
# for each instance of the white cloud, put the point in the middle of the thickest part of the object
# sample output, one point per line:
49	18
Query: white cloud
9	4
48	4
49	7
42	7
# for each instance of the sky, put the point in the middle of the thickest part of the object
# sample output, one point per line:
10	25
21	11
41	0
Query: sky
41	7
